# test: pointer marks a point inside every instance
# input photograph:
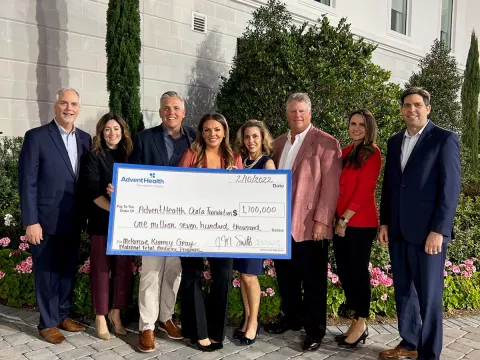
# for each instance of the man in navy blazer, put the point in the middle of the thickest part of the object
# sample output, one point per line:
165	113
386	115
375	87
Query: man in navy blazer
421	187
162	145
48	172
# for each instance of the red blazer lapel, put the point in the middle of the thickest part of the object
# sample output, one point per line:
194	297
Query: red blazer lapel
307	142
279	145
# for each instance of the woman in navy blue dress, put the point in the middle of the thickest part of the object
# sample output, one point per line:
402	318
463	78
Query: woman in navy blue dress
254	143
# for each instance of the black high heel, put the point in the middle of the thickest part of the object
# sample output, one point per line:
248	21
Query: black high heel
247	341
239	334
340	337
347	345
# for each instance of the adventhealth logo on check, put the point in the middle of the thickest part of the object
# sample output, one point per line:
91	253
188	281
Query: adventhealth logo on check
143	180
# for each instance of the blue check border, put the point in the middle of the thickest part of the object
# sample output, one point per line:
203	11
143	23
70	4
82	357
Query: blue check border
288	236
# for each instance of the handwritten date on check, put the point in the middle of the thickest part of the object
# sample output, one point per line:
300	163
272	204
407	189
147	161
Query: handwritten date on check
169	211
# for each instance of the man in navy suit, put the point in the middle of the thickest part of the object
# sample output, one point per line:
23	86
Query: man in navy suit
162	145
421	187
48	171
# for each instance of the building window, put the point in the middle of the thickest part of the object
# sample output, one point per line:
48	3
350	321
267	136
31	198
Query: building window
446	28
324	2
398	21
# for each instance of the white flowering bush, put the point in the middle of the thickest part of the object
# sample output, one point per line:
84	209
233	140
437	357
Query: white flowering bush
10	224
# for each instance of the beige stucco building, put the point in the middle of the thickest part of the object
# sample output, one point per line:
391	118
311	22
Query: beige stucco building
47	44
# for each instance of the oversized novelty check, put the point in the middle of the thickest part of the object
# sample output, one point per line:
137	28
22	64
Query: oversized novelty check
172	211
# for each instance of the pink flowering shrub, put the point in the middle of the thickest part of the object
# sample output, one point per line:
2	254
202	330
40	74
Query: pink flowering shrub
4	241
268	292
461	283
335	294
23	246
85	268
207	275
271	301
379	277
466	269
25	266
16	278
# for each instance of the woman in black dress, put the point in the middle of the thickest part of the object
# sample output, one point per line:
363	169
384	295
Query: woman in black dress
112	144
204	319
254	143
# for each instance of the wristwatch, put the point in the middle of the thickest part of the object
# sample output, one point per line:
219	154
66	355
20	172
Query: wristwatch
344	219
342	223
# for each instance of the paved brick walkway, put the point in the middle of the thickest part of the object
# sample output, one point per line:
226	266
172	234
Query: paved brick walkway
19	339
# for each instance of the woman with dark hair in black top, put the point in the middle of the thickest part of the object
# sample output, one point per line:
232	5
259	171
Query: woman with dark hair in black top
112	144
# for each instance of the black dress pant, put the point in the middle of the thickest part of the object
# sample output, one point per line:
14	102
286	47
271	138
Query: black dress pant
307	267
55	269
352	254
205	317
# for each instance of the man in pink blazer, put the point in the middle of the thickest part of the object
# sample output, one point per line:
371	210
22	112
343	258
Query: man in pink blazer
315	159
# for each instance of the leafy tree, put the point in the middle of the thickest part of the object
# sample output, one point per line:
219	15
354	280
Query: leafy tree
439	75
123	47
276	57
470	93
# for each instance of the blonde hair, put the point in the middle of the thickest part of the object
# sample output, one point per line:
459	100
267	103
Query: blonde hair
300	97
267	140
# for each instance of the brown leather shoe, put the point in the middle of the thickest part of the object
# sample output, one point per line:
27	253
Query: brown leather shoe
52	335
146	341
70	325
398	353
172	330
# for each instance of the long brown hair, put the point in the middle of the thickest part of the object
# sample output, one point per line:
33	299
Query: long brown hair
366	148
267	141
125	145
199	145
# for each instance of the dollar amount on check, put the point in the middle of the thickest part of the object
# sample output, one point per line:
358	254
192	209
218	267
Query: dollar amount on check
169	211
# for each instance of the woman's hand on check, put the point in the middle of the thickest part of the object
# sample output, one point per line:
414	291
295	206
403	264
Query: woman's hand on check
110	189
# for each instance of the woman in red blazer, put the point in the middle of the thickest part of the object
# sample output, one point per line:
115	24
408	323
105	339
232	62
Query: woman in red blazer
357	221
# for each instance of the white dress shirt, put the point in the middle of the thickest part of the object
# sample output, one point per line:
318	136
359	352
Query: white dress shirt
70	141
290	150
409	142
